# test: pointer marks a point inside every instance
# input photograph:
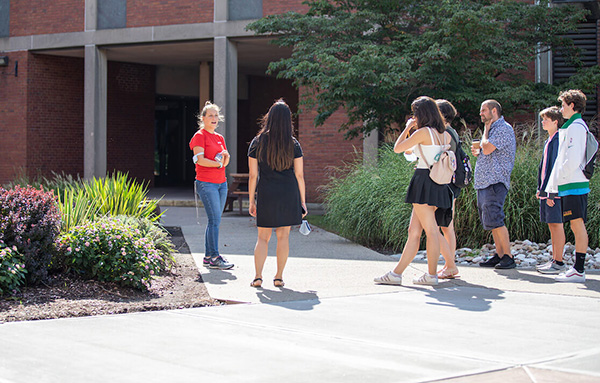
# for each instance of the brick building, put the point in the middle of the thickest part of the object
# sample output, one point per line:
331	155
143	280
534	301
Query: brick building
92	86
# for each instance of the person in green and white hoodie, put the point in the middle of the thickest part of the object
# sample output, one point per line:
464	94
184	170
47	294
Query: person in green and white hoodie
567	180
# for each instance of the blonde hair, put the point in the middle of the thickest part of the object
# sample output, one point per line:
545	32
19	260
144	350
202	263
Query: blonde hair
209	106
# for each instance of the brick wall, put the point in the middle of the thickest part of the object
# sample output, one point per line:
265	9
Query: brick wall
276	7
130	120
46	16
55	115
142	13
13	120
323	147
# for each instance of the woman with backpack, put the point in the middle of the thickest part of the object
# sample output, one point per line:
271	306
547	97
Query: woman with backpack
428	141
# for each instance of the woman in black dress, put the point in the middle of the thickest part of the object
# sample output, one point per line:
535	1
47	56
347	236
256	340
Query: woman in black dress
276	164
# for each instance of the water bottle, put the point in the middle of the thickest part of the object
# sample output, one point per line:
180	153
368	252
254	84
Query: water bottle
219	157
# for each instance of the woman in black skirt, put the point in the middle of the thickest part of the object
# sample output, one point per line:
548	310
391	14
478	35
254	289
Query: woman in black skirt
429	139
278	201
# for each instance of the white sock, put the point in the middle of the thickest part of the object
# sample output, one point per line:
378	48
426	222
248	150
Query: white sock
396	275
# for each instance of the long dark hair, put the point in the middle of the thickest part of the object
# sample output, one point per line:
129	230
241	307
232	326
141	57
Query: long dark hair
428	114
275	140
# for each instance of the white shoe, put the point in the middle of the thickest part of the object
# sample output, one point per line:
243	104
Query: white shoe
426	279
388	279
570	275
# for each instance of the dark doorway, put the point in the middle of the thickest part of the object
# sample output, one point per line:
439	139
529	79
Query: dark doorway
175	124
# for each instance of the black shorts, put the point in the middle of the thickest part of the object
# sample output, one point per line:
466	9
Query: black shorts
443	217
574	207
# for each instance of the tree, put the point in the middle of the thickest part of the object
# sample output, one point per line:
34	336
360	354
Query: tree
373	57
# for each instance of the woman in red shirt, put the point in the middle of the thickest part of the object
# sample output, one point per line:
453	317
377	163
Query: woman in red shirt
211	157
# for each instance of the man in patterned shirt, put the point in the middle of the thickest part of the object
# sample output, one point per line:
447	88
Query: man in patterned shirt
495	161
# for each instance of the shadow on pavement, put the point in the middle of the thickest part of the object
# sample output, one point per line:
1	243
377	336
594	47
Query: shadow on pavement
294	300
219	277
466	296
589	284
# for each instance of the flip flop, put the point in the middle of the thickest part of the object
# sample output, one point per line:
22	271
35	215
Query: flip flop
254	284
445	274
278	282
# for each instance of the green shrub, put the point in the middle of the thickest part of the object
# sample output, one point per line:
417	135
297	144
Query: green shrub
154	232
365	203
110	250
82	201
12	269
120	195
30	220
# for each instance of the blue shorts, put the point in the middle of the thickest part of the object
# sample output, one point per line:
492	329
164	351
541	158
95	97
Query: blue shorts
551	214
490	205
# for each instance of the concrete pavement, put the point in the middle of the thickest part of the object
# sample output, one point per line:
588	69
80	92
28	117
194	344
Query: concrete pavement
330	323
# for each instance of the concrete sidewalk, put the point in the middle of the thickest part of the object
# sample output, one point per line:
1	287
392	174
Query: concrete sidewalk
330	323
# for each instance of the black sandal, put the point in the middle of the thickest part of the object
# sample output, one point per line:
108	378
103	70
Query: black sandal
253	284
280	284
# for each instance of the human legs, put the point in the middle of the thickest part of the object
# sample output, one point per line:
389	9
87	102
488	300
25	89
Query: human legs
448	248
411	247
501	240
213	197
426	216
260	251
557	235
283	251
574	209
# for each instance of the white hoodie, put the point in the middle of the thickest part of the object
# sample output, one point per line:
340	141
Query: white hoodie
567	175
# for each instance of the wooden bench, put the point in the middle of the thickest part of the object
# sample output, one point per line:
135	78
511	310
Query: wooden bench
237	191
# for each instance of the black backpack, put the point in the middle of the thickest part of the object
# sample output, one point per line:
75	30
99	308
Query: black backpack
463	175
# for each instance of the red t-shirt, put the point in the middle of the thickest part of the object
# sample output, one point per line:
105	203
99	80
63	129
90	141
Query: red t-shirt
212	143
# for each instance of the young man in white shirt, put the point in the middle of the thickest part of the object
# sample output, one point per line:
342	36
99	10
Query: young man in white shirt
567	180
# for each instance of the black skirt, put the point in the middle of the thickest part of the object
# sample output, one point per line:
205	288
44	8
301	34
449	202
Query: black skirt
423	190
278	201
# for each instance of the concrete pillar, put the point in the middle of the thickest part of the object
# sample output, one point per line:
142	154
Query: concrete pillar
221	8
204	86
225	92
94	114
91	15
370	146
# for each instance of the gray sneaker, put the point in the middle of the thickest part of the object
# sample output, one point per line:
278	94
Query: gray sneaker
552	268
544	265
219	263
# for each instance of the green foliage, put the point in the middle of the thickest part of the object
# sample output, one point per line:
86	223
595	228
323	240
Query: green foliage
366	203
29	220
120	195
373	57
76	208
80	201
111	250
12	269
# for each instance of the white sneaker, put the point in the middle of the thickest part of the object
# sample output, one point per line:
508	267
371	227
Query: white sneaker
388	279
570	275
426	279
